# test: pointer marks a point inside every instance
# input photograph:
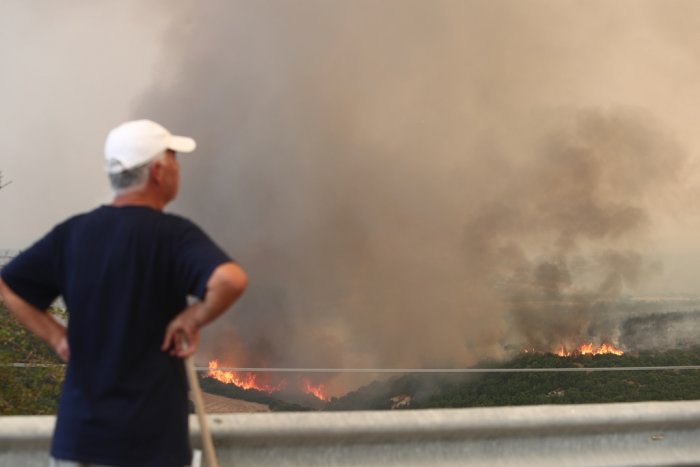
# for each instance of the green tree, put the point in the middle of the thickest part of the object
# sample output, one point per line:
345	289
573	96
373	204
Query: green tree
26	390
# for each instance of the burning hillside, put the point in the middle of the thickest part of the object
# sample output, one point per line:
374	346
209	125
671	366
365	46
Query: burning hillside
586	384
584	349
253	380
589	349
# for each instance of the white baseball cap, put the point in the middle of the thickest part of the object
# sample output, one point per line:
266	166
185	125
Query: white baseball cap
137	142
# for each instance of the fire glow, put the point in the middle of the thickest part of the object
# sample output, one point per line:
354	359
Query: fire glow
589	349
244	380
318	391
583	349
250	380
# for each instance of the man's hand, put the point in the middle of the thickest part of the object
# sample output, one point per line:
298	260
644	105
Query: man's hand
61	348
182	334
226	284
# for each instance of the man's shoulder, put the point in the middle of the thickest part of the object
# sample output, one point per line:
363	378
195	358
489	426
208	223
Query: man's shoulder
73	220
177	218
174	224
106	211
105	219
95	214
178	222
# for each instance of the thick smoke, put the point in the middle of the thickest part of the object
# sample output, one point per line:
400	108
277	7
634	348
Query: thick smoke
413	183
661	331
564	248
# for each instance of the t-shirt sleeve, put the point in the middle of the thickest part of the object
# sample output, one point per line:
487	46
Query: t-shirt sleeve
196	258
33	274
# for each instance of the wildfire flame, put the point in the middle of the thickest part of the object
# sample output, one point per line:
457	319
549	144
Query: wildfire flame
589	349
249	380
318	390
242	380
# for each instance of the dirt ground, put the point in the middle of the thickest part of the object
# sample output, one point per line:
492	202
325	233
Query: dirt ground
220	404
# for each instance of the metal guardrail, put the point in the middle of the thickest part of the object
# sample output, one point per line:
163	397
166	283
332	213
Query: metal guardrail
632	434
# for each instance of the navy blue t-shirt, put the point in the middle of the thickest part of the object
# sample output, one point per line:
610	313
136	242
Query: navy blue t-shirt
124	273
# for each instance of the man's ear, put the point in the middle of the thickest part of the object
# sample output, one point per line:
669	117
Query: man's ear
156	172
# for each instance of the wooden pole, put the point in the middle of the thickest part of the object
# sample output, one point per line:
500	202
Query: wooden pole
196	391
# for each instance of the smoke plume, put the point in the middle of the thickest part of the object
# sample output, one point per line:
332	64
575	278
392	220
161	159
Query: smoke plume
417	184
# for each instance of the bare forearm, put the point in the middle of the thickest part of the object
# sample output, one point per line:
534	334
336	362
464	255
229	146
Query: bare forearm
223	289
37	321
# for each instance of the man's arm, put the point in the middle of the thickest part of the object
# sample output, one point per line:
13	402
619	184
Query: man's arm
37	321
226	284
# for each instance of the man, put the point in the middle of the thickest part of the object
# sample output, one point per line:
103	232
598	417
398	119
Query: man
125	271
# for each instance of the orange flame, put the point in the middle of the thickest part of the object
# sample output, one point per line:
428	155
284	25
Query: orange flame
319	391
242	380
589	349
248	380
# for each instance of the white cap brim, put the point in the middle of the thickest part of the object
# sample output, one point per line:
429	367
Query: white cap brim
181	144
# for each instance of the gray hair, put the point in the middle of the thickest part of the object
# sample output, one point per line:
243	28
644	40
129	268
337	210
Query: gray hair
132	179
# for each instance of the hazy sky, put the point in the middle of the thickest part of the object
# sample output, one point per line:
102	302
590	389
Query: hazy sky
408	182
71	71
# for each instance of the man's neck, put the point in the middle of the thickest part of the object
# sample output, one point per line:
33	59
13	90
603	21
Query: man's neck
138	198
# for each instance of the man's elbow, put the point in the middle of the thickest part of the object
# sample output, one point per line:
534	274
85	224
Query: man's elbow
231	278
238	279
